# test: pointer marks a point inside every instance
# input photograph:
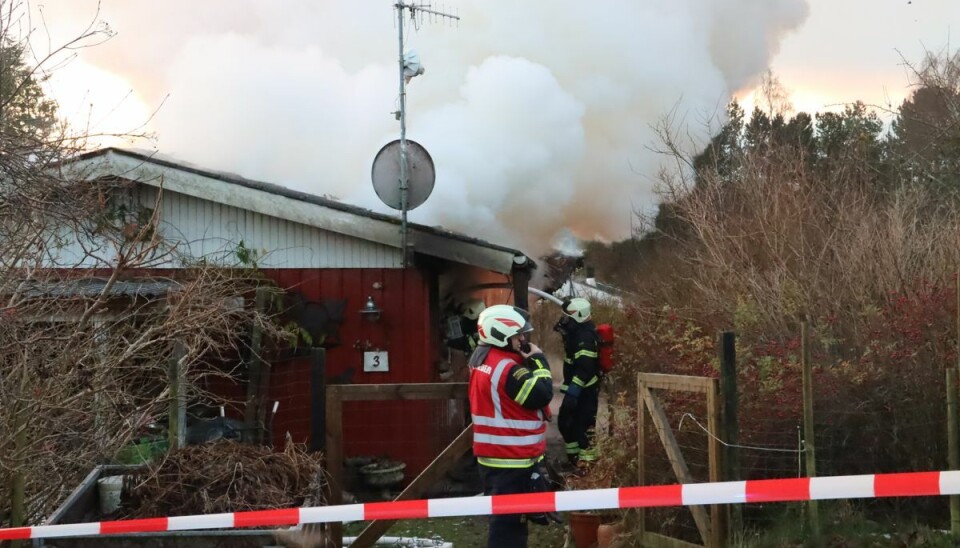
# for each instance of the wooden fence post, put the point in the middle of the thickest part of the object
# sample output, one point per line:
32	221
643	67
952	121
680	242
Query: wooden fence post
641	450
318	400
813	514
730	430
953	450
719	515
333	455
177	413
258	377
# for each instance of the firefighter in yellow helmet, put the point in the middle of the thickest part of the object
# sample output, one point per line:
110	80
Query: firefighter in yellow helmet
581	379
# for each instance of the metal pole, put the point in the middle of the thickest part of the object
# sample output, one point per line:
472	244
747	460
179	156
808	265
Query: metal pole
403	140
953	455
813	517
953	430
731	426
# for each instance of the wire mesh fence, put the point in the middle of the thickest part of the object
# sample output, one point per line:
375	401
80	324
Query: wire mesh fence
862	425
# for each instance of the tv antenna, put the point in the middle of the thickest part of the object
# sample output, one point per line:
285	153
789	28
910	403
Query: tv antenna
422	180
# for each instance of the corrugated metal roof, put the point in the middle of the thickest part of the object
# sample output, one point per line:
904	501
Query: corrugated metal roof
91	287
591	290
425	239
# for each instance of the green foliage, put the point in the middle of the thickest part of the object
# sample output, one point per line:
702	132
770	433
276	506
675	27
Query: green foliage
246	256
297	334
722	152
121	215
29	117
746	316
142	451
853	133
924	135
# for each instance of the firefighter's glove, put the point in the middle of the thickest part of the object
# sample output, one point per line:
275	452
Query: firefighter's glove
562	325
540	484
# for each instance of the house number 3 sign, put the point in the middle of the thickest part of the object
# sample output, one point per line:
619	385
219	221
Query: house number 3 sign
375	362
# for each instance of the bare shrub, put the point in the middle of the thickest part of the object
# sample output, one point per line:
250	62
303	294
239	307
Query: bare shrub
835	223
88	329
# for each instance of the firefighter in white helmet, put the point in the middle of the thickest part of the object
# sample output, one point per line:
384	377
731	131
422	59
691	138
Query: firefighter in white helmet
581	379
473	308
469	316
471	311
510	390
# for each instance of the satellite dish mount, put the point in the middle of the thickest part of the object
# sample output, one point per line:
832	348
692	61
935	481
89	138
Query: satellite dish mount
408	152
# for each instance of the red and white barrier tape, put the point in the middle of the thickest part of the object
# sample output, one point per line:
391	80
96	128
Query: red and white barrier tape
912	484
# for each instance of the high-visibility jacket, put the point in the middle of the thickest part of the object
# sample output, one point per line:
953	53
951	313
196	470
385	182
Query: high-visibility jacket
507	397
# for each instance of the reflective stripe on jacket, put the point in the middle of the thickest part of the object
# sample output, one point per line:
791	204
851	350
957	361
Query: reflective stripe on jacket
505	434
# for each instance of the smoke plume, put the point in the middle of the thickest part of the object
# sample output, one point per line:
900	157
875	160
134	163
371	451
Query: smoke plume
538	114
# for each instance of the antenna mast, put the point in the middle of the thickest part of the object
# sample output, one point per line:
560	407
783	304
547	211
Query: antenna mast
400	6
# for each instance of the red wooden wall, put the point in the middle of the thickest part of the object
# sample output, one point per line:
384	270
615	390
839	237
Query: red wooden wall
407	330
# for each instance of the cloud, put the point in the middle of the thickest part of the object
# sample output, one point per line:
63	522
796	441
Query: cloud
537	114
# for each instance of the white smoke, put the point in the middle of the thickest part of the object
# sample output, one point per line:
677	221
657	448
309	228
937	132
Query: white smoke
567	244
538	114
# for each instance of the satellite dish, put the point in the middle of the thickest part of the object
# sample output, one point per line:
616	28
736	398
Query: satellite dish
420	174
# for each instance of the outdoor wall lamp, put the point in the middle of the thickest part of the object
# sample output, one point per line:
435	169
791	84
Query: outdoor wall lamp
370	311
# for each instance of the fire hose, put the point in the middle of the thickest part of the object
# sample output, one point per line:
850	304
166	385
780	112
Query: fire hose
540	293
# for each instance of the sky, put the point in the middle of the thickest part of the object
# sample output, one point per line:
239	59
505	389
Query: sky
855	49
540	116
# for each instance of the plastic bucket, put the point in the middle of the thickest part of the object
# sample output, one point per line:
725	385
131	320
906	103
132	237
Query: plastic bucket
109	489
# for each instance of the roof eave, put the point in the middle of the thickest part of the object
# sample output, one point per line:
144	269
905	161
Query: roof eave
333	217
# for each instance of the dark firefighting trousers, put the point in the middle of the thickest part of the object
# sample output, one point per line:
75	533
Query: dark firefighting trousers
577	427
510	530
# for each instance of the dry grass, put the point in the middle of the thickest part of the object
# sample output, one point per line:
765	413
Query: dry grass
781	239
228	477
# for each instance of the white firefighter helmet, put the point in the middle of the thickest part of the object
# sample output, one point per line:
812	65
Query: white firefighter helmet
577	308
473	308
500	322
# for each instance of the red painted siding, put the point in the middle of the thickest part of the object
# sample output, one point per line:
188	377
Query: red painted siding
404	430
